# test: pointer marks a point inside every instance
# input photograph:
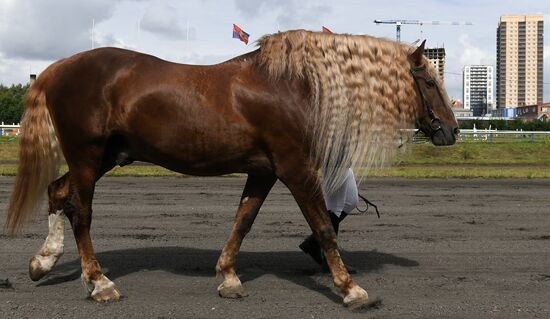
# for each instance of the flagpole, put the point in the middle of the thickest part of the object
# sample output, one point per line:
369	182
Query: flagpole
138	33
187	33
93	35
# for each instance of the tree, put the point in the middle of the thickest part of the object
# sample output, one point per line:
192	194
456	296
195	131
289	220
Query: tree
12	101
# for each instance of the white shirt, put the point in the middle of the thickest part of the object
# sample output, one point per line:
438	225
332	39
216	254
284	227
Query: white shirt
344	198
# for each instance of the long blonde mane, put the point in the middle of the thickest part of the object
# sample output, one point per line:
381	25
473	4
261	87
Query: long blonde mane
362	94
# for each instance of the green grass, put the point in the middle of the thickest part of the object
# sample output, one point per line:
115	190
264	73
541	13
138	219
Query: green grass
9	148
478	153
132	170
462	172
524	159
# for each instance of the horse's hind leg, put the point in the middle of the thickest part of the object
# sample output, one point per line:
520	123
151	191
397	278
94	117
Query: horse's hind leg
52	249
254	194
86	165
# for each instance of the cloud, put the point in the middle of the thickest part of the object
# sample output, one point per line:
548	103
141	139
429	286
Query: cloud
289	13
310	14
250	7
204	59
16	71
49	30
109	40
472	54
164	20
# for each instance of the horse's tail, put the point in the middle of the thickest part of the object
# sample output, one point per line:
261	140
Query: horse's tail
39	155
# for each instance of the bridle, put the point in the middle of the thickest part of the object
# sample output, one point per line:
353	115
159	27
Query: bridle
435	123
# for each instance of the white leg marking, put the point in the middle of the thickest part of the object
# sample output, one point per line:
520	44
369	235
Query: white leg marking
102	284
244	200
103	289
231	287
356	297
88	286
232	281
52	249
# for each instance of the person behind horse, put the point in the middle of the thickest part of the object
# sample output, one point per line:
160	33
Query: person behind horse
340	202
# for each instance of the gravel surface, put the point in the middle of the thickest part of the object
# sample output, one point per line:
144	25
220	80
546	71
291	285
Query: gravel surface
443	248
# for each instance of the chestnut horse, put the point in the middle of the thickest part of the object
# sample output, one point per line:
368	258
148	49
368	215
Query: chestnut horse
301	104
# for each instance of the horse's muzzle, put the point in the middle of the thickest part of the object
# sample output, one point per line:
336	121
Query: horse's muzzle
445	135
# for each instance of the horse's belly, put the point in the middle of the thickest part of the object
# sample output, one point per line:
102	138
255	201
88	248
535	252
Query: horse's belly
192	132
254	164
190	150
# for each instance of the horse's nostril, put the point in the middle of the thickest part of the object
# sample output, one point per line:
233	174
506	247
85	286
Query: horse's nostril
456	130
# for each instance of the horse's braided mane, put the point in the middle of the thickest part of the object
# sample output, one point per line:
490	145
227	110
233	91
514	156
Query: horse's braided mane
362	94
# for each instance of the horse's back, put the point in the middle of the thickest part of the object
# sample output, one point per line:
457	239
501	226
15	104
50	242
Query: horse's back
187	118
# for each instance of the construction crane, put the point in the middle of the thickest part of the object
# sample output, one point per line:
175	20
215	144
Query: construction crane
398	24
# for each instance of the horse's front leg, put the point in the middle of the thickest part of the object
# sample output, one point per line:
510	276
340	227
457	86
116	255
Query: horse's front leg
303	182
255	191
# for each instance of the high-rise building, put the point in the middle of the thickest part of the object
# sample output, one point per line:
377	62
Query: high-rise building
478	89
519	60
437	57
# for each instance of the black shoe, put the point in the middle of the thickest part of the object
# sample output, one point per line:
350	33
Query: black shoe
311	247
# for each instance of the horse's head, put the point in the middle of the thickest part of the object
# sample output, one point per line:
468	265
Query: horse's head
434	116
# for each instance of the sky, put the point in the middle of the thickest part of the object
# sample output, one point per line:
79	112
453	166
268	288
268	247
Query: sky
35	33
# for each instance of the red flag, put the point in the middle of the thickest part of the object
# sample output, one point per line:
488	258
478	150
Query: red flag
326	30
238	33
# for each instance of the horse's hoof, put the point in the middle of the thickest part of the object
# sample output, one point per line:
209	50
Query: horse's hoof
356	298
108	294
105	290
40	265
36	271
234	291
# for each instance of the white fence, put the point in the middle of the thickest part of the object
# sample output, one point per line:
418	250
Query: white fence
9	130
490	136
503	136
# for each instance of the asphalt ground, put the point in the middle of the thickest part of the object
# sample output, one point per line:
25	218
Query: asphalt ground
442	248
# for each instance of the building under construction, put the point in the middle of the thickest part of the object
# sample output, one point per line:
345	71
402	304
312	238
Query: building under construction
437	57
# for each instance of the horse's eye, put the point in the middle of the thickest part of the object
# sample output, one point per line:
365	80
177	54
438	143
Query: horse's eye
430	83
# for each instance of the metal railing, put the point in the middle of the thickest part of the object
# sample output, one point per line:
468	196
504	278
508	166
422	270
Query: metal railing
490	136
503	136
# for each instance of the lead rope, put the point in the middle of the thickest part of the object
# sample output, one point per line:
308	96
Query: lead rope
368	203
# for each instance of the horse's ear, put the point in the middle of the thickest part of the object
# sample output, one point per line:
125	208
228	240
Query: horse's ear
416	56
